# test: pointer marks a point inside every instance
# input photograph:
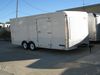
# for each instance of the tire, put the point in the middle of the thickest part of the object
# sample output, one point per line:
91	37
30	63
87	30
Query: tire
32	46
25	45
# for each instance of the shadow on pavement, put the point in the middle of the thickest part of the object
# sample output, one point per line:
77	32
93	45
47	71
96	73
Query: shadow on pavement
57	59
84	69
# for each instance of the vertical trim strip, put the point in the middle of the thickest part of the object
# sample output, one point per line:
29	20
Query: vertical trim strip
67	30
37	33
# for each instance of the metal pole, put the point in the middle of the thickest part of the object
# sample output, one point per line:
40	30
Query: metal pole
16	8
83	2
83	5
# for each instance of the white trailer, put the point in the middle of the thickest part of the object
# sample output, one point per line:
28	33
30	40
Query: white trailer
94	27
59	30
98	26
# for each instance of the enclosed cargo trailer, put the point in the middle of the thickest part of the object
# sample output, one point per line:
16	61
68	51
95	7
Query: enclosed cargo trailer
94	27
59	30
98	26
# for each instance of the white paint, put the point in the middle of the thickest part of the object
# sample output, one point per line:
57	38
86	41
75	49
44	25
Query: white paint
50	30
98	19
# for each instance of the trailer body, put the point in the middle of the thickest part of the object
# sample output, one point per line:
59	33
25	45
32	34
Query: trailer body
59	30
98	26
94	27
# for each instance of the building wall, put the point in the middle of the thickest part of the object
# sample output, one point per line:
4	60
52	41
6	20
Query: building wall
90	8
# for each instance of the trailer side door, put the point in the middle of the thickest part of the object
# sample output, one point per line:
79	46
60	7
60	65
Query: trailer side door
44	32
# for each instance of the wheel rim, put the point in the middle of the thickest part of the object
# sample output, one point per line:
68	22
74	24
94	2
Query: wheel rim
25	45
32	46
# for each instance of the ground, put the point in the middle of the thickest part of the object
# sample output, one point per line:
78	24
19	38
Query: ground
14	60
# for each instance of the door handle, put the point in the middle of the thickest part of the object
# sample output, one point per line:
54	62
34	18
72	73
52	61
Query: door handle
39	31
49	32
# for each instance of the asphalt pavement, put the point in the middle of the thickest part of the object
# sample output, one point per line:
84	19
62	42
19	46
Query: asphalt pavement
14	60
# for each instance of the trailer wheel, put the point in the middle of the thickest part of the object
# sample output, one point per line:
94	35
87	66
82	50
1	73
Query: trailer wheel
25	45
32	46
